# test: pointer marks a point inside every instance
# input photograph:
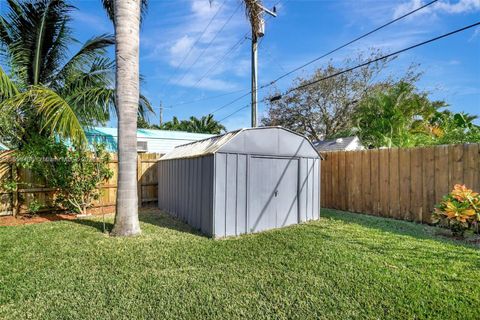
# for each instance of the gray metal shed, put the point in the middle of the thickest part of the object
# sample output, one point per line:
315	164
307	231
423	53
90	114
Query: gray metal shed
243	181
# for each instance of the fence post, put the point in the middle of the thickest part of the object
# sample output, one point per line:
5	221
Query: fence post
139	179
15	190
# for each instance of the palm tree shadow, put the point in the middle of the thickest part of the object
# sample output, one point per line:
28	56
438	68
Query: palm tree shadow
158	218
152	216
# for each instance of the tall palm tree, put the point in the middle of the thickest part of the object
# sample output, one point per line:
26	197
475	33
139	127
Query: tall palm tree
44	87
126	16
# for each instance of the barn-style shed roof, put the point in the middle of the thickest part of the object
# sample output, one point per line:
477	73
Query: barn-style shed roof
275	141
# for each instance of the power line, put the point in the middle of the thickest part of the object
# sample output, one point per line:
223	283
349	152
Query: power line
235	112
366	63
237	45
211	41
195	43
352	41
277	97
208	98
266	85
230	103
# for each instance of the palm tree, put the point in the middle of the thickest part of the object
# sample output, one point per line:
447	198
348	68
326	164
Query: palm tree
45	89
126	16
206	124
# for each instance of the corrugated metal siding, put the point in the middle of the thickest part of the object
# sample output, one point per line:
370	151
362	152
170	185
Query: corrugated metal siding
231	192
186	190
219	195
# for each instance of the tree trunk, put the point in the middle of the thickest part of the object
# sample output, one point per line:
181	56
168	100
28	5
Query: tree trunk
127	35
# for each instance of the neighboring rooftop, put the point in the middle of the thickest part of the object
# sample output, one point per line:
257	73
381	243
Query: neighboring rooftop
159	141
3	147
339	144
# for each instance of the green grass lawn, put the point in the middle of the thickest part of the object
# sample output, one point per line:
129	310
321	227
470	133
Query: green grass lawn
344	266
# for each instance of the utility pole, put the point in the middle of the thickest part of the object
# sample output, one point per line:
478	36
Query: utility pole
257	32
161	113
254	78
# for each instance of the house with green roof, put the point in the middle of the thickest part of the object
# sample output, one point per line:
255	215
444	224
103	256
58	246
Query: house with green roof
148	140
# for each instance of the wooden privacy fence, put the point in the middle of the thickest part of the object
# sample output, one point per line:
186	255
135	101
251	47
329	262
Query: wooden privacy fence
18	200
397	183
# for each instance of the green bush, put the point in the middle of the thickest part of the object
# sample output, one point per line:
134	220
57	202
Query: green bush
75	172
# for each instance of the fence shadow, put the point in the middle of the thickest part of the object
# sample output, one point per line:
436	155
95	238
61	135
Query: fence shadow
399	227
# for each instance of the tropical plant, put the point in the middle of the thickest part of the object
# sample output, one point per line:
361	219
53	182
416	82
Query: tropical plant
459	210
447	127
45	89
74	172
397	116
326	107
205	124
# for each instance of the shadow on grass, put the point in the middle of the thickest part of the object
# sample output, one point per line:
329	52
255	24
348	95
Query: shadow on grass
406	228
150	216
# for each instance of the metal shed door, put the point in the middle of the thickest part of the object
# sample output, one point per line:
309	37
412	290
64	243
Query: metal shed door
273	193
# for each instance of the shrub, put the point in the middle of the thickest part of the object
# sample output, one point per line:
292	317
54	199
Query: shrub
459	210
76	173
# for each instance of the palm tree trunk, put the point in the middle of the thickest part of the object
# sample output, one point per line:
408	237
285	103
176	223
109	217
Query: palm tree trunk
127	35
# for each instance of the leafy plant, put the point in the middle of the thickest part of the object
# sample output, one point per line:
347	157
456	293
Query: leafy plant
76	173
43	86
34	206
459	210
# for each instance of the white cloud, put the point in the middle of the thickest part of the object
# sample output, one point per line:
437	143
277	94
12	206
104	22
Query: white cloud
180	49
448	7
172	42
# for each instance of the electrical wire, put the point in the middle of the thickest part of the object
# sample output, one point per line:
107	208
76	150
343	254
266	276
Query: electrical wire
208	98
195	43
266	85
376	59
278	97
217	63
210	43
236	46
235	112
352	41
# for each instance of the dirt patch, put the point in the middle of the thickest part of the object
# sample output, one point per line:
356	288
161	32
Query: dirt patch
31	219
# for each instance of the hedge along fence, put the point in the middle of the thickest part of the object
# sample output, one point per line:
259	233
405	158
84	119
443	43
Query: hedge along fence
18	200
397	183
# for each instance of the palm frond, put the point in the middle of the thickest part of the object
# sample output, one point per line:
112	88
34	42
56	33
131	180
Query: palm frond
254	13
38	36
88	53
8	88
92	105
109	7
144	107
55	114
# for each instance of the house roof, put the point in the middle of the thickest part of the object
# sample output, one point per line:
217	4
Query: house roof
3	147
256	140
149	134
338	144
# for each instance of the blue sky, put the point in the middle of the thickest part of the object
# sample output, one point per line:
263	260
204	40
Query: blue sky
304	29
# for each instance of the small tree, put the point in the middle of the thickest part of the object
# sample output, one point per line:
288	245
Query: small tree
325	108
76	173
